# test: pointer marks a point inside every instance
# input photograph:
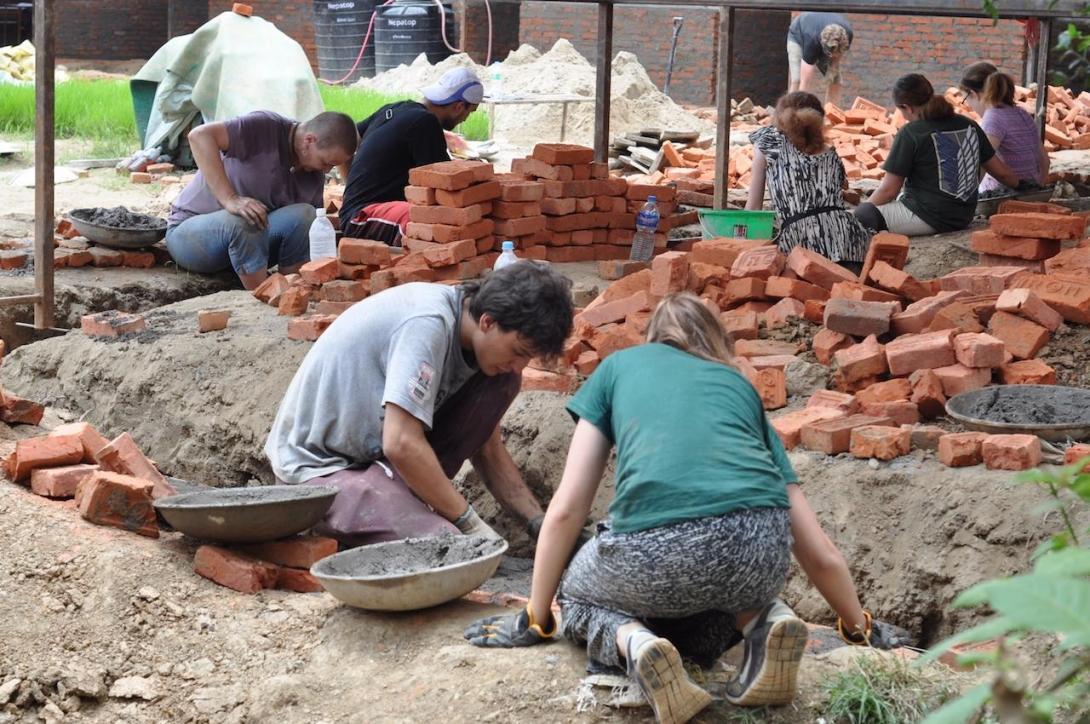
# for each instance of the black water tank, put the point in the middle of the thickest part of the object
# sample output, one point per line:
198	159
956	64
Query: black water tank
339	29
408	28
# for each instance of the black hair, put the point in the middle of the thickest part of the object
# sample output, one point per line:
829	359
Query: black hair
995	88
527	297
916	91
333	129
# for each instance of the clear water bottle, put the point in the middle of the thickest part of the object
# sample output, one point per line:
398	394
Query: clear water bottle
647	222
506	257
497	81
323	239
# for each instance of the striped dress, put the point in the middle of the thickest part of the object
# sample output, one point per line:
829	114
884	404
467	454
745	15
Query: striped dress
799	183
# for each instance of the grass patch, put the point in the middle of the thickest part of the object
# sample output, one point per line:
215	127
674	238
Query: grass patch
881	690
100	112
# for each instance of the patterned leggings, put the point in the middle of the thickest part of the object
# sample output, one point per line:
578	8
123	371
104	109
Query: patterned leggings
685	581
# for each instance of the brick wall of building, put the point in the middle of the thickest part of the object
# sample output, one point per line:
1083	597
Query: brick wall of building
185	17
109	29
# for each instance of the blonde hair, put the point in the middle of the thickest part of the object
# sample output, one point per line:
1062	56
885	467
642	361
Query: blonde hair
834	39
683	321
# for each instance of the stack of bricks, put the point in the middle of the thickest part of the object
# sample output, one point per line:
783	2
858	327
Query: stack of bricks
283	564
1000	246
517	217
72	251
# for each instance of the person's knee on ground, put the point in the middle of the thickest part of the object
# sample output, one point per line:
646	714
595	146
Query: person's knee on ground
871	216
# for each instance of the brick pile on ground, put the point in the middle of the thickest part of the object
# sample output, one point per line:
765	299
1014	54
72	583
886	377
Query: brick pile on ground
999	246
283	564
71	250
897	347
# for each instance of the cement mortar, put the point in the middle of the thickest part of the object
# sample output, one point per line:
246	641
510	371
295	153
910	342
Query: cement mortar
410	556
120	217
1032	406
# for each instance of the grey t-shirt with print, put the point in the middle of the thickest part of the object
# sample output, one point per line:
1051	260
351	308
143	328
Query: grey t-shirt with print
401	347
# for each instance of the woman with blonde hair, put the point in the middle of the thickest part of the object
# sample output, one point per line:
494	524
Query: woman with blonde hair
1011	130
805	179
698	541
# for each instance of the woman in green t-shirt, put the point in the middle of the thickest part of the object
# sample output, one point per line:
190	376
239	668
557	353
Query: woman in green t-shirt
698	540
933	168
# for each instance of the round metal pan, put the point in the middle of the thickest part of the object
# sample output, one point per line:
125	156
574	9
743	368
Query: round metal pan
1032	397
246	515
112	236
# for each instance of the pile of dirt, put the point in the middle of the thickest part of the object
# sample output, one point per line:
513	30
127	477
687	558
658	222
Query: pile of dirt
119	217
636	102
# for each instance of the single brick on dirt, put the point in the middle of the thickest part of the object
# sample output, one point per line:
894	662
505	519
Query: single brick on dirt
876	441
111	323
961	449
309	328
60	482
1045	226
234	570
1011	452
1027	372
212	320
1019	247
121	501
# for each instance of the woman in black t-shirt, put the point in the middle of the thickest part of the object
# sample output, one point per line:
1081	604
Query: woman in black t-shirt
933	168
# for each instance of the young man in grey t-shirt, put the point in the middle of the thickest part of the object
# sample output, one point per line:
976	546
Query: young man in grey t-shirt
404	388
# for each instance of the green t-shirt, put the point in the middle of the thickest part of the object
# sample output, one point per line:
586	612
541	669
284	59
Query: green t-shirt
691	435
940	161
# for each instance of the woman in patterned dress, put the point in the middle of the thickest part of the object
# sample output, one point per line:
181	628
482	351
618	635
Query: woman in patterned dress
805	178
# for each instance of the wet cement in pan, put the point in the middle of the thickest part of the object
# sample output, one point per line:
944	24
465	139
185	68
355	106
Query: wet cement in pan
1031	406
409	556
120	218
222	497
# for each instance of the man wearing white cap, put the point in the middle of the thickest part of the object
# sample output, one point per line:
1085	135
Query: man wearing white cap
394	139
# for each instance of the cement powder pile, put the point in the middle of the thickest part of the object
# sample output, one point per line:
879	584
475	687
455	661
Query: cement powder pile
636	102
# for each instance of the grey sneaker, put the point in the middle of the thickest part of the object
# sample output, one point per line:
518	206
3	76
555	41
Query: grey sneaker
770	667
657	669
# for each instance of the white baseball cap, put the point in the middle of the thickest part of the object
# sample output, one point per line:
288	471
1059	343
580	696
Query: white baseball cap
457	84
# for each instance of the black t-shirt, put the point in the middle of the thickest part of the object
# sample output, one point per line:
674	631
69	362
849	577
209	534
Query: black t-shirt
806	30
394	139
940	162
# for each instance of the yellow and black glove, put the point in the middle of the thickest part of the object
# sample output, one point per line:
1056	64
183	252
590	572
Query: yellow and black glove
510	631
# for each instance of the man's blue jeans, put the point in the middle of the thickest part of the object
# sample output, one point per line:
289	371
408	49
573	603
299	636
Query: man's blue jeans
212	243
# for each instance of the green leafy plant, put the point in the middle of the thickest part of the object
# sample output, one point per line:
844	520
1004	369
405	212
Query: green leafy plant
885	690
1053	599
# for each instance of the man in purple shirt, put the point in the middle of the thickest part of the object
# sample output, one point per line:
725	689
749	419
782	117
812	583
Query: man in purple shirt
260	177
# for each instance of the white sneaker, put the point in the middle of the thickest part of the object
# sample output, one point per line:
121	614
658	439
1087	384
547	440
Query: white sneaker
656	667
773	649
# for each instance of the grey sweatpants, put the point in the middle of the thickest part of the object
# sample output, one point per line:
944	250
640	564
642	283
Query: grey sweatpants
685	581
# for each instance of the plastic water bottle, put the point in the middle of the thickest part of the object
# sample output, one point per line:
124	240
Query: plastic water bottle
647	222
506	257
323	239
497	81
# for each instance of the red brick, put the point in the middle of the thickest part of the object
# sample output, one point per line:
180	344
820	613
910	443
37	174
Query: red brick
363	251
813	309
451	175
924	437
741	290
701	275
961	449
669	273
121	501
826	342
1027	372
137	259
521	191
1022	337
343	290
563	153
515	209
541	380
1037	267
299	552
92	440
927	394
111	323
740	325
273	286
476	194
762	262
979	279
1014	206
1011	452
310	327
789	426
614	311
420	195
816	269
569	254
1025	303
888	391
536	168
1071	263
641	192
1069	297
959	317
876	441
59	482
858	318
140	177
782	311
897	282
979	350
327	307
299	581
861	293
1046	226
771	386
722	252
902	412
886	247
122	455
613	337
49	451
782	287
912	352
587	362
611	270
103	257
764	348
958	378
523	226
775	361
1019	247
212	320
834	436
863	360
17	410
449	215
234	570
1075	453
837	400
294	301
68	258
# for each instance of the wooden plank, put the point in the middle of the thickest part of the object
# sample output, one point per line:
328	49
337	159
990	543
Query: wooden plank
18	299
44	158
722	102
1041	75
603	88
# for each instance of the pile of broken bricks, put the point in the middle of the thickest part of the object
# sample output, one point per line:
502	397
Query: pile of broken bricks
72	250
898	347
113	483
